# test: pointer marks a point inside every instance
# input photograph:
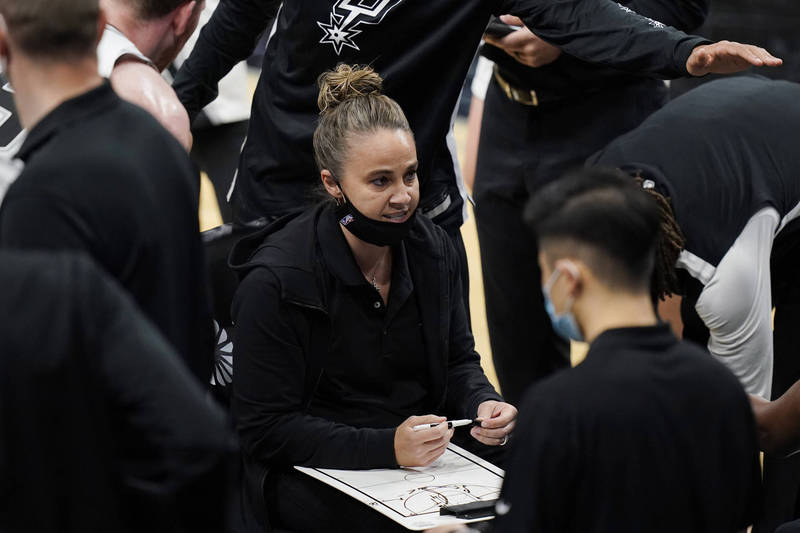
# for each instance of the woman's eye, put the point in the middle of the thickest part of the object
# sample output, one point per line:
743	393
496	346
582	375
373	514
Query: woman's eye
380	182
411	176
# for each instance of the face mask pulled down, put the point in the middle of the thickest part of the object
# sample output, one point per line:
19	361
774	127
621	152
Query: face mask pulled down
374	232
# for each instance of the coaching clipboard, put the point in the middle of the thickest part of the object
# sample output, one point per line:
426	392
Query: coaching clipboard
413	497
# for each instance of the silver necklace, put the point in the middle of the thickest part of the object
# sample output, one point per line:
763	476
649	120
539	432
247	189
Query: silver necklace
374	281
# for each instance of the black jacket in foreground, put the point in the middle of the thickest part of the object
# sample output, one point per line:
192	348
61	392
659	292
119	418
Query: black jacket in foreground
102	427
423	50
649	433
102	176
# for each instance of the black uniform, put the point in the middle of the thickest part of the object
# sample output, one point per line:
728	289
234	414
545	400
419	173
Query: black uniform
422	49
325	371
725	154
102	428
581	108
104	177
647	434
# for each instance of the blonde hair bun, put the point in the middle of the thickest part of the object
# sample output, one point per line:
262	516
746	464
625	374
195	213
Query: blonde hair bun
346	82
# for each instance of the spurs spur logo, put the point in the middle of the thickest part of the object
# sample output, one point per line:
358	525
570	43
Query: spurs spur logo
348	15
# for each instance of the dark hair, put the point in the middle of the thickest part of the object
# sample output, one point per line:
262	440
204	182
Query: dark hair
351	101
153	9
53	29
605	219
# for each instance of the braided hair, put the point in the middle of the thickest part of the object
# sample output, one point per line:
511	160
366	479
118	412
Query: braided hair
671	242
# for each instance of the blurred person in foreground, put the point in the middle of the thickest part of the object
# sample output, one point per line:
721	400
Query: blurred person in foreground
101	175
102	427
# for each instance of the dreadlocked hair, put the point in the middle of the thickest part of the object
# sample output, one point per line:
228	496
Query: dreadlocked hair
671	242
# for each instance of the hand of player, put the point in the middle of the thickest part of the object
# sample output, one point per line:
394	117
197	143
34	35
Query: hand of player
498	419
726	57
421	448
524	46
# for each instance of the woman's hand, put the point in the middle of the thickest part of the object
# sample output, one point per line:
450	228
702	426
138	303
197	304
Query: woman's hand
421	448
497	422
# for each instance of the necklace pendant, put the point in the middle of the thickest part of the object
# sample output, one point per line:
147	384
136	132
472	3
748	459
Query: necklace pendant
375	284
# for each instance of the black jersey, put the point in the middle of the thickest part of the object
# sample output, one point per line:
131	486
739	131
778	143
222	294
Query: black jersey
737	144
422	49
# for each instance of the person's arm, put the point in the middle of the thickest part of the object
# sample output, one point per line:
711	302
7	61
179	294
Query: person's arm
685	15
736	304
528	49
269	380
778	422
606	33
140	84
174	440
228	38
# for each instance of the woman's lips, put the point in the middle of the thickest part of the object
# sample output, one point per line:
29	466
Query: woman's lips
397	217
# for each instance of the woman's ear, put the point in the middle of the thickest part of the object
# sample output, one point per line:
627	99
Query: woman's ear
330	184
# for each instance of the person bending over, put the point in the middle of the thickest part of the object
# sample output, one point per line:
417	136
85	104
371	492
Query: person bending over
349	322
722	162
649	433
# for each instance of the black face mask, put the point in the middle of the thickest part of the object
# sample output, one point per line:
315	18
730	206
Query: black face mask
374	232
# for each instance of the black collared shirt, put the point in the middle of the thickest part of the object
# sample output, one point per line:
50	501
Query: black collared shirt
102	176
381	373
647	434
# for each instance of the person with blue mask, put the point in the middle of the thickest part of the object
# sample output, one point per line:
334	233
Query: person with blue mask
648	433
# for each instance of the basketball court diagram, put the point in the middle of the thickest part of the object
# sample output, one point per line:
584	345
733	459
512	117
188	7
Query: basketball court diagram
414	496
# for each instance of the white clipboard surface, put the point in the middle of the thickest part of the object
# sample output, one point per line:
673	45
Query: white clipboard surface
412	497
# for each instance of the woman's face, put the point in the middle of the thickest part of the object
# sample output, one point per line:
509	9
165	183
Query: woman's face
379	175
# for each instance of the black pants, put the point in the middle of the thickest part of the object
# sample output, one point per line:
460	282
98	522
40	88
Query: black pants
522	148
216	151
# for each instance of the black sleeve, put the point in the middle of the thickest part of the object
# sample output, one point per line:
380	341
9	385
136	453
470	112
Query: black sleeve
174	439
40	221
228	38
685	15
606	33
269	368
541	470
467	385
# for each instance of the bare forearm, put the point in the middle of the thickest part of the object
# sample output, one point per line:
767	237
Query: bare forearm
778	422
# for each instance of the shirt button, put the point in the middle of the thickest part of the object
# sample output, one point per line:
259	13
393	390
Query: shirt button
376	305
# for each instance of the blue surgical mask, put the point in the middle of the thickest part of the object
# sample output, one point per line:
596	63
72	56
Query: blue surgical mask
564	324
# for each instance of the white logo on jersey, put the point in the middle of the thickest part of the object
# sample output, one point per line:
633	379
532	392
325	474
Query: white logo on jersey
653	23
347	15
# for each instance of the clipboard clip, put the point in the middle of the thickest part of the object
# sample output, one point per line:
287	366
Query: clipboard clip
469	511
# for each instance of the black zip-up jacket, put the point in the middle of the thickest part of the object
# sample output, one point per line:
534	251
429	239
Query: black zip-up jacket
422	49
569	76
282	339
